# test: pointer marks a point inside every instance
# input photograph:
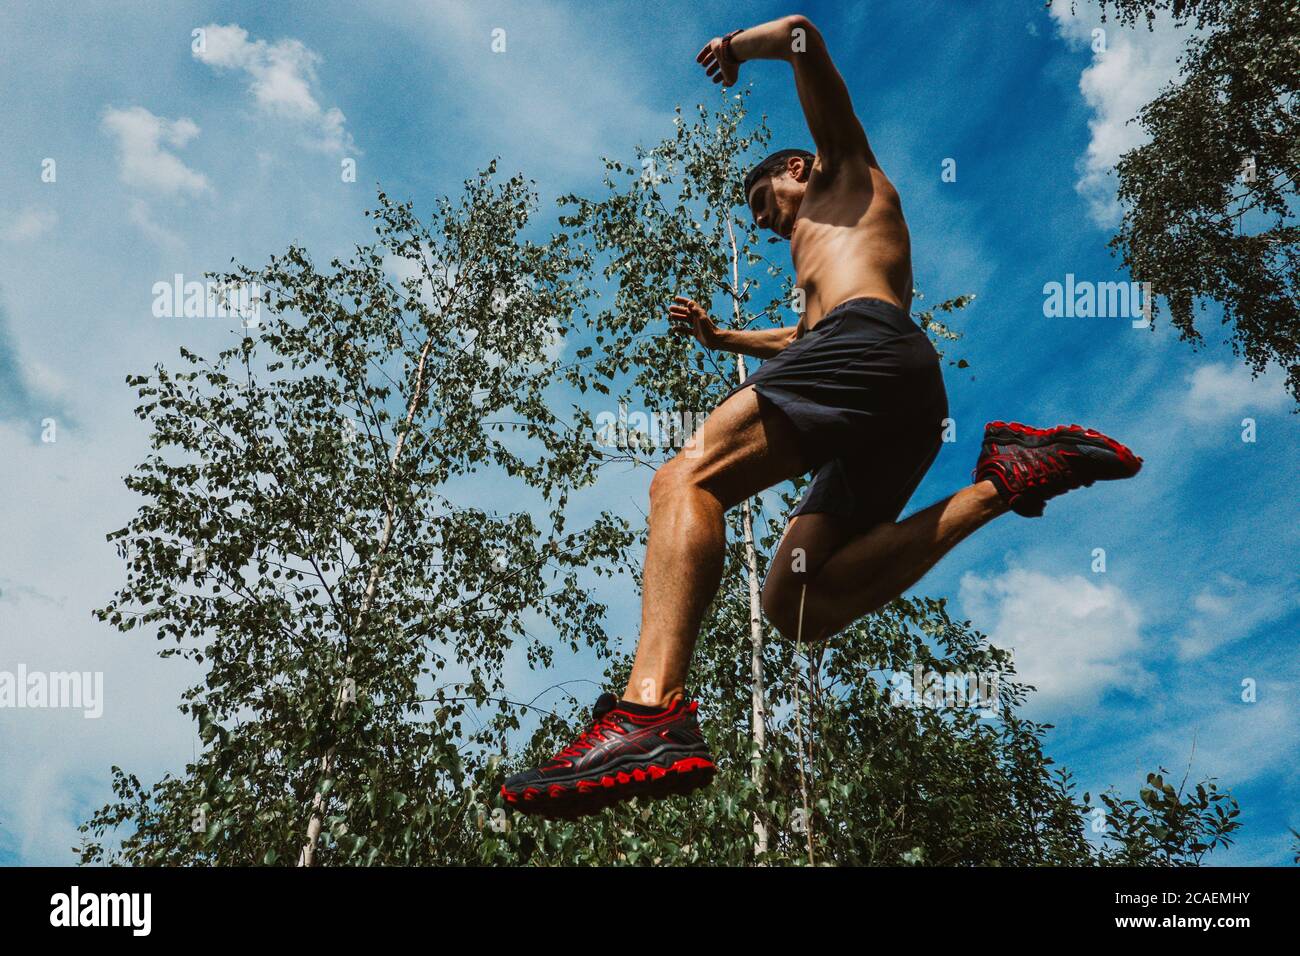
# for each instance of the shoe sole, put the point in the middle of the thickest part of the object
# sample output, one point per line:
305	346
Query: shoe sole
591	796
1015	433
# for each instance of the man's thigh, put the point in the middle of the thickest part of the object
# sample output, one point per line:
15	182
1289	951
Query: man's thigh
808	543
745	446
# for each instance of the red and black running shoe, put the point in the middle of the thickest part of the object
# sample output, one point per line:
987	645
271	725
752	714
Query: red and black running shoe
629	751
1030	465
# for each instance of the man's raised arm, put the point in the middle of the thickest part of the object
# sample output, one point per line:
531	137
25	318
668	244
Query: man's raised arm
825	99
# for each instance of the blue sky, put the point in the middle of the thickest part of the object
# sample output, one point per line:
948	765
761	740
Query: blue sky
172	161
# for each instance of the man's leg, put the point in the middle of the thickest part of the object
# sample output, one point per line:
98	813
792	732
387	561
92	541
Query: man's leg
742	448
650	742
1029	465
869	570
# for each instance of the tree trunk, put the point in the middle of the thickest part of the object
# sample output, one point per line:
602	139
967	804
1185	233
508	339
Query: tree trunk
307	857
758	719
759	714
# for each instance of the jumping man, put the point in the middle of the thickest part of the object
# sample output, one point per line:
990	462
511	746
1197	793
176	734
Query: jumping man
854	393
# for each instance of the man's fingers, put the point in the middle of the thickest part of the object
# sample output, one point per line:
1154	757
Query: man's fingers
707	51
683	321
683	300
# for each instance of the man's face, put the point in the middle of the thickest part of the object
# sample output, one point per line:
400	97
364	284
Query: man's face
775	199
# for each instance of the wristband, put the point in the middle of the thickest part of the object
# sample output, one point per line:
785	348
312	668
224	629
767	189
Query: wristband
726	47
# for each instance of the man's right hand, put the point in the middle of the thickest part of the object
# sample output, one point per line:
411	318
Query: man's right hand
688	319
719	63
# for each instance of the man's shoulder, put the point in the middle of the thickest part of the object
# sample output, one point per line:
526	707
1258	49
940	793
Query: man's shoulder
856	172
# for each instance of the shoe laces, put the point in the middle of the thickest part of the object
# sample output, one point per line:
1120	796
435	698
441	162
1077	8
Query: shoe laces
587	739
1052	467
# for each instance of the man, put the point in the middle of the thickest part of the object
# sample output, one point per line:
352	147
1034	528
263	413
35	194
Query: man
853	392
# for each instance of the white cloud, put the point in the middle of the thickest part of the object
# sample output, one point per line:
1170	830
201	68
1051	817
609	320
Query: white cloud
1228	389
1227	610
1073	639
282	76
57	567
1134	65
1236	743
143	159
31	223
140	214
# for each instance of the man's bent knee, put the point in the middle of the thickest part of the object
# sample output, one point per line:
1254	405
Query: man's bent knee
668	479
785	605
677	475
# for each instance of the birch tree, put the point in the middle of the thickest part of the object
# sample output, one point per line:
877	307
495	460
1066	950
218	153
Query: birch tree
352	516
1210	199
297	540
673	231
822	756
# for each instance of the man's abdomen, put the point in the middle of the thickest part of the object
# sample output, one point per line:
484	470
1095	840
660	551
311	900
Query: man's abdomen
868	261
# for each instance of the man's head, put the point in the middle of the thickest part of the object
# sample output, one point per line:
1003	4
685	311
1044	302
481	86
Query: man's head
775	187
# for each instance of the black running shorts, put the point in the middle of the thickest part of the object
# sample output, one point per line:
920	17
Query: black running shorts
865	393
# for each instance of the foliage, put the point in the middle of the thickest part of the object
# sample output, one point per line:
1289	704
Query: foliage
853	777
303	538
1162	828
1210	198
296	539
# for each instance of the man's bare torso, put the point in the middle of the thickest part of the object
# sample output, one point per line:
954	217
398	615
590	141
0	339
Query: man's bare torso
850	241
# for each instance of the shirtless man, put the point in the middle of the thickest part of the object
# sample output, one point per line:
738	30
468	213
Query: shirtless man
853	392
